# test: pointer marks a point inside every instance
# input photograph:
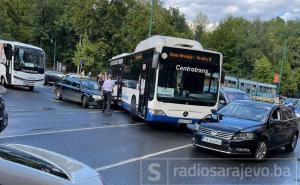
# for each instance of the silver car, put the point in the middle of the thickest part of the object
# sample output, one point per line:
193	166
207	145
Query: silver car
27	165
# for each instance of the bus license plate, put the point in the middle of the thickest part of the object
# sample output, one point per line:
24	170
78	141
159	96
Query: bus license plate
185	121
212	140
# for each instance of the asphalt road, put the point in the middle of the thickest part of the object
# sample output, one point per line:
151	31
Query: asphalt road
123	151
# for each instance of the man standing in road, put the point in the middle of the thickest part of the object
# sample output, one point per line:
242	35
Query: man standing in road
107	90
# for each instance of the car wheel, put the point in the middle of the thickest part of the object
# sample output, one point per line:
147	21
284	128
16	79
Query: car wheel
2	81
133	109
85	102
291	147
31	88
58	95
261	150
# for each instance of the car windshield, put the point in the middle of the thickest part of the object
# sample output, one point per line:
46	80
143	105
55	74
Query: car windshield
29	59
176	84
90	84
233	96
255	112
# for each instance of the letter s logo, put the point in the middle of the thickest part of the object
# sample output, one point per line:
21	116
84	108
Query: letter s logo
156	176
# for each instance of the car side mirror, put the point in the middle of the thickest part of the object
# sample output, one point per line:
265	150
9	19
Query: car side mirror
213	111
274	121
223	74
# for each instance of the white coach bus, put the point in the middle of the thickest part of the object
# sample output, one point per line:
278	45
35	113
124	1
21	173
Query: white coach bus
21	64
167	79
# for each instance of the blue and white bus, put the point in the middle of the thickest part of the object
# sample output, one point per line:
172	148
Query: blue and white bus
167	79
21	64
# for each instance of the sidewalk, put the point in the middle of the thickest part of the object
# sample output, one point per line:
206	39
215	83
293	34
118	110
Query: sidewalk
2	90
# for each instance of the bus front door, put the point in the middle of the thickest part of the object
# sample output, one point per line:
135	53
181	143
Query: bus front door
142	106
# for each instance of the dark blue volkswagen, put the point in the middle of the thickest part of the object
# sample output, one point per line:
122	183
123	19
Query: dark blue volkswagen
248	127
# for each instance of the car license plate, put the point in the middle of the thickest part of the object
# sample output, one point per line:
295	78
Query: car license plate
212	140
185	121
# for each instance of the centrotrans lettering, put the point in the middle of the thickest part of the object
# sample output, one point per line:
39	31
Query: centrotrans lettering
191	69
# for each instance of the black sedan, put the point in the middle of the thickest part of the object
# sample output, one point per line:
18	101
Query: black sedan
248	127
3	115
80	90
53	77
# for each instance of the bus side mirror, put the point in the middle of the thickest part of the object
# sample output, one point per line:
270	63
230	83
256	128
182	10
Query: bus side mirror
223	74
155	60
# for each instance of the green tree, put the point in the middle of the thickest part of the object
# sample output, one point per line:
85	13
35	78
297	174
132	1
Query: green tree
262	71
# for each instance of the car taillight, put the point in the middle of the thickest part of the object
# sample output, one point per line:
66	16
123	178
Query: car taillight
101	180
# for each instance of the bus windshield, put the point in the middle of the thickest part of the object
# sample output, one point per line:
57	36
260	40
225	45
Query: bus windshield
191	83
29	60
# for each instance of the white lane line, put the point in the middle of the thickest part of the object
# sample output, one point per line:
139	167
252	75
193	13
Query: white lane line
64	113
25	114
94	112
71	130
141	158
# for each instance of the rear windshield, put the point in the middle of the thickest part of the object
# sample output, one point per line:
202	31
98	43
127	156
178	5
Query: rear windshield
10	154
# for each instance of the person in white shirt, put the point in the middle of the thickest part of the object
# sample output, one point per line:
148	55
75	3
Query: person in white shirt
107	90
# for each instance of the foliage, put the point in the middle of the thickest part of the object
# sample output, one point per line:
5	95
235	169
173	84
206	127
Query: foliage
262	71
112	27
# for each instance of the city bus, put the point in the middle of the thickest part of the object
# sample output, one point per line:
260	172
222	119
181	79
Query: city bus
21	64
167	79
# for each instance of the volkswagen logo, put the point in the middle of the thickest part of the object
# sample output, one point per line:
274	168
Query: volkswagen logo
214	133
185	113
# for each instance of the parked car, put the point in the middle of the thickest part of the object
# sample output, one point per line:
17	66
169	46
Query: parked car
291	101
80	90
248	127
228	95
3	115
27	165
53	77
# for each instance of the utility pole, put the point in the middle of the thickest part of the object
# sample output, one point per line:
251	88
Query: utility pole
151	17
282	62
79	62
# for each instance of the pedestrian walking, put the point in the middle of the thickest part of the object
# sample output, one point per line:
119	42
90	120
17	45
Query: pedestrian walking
107	90
100	81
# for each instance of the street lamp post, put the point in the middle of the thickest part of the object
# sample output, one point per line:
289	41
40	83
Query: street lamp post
151	18
54	54
282	62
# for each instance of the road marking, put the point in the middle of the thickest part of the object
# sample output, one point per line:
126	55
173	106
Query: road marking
24	114
94	112
64	113
71	130
142	157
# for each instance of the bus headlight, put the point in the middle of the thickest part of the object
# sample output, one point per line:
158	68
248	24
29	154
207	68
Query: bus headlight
157	112
244	136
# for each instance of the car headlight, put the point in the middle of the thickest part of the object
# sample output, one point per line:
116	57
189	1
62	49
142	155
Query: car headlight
197	127
96	97
244	136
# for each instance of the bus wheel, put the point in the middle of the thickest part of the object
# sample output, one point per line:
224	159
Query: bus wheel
31	88
133	109
2	81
